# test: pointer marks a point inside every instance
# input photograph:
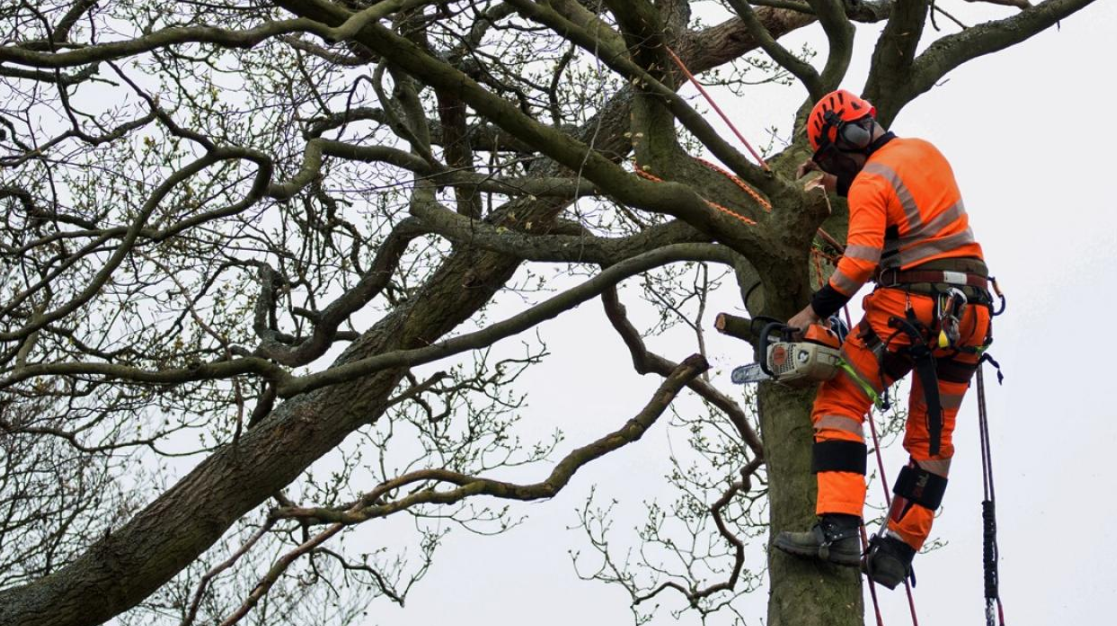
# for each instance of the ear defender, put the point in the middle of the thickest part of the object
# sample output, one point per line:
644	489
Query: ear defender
852	134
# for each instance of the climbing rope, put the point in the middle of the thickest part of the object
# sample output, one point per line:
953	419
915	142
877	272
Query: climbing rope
709	99
993	607
740	183
713	205
887	504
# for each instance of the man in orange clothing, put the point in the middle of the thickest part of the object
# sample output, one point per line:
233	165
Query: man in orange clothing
908	231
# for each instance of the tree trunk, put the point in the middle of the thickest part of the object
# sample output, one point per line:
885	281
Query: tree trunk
802	593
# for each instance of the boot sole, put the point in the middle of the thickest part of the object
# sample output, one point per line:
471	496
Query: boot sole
836	558
882	583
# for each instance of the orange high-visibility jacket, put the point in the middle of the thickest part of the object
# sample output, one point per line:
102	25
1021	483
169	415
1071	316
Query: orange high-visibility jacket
904	209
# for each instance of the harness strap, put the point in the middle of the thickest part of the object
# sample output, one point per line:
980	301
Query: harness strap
923	362
954	371
893	364
891	278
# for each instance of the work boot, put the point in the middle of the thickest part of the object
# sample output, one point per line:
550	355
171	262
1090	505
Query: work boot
834	539
888	561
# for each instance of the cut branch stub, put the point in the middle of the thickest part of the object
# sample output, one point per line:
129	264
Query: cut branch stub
739	327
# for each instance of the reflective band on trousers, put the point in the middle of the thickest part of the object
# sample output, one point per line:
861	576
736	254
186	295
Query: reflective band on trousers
950	401
843	423
940	467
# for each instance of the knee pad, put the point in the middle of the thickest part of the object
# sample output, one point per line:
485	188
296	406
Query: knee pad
913	486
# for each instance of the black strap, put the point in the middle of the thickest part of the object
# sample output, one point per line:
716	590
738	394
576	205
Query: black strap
893	364
923	361
954	371
917	485
839	456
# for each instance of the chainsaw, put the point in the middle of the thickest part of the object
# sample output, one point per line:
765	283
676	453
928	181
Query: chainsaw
814	358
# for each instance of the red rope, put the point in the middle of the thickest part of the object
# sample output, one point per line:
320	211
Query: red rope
888	500
709	99
872	585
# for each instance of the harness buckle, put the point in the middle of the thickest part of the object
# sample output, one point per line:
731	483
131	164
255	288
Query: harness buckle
889	277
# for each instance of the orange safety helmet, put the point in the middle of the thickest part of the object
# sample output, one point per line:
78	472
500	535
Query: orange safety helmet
832	112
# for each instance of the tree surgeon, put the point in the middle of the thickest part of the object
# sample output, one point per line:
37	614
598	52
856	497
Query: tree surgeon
908	231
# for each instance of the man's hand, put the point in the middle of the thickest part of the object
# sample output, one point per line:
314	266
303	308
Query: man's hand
802	320
829	181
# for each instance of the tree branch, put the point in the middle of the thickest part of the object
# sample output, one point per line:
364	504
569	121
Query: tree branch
523	243
154	41
951	51
839	33
514	325
325	326
893	56
691	119
800	69
645	361
370	505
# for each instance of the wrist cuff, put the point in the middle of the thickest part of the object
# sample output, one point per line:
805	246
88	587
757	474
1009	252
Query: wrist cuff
827	301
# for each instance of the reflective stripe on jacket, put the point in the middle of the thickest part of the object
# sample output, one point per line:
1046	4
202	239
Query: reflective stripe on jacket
907	190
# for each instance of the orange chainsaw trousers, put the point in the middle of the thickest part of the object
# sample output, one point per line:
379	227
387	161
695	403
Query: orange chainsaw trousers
842	403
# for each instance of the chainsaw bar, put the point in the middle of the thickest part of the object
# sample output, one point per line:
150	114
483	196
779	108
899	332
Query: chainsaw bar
746	374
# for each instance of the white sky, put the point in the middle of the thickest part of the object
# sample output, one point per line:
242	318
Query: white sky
1029	133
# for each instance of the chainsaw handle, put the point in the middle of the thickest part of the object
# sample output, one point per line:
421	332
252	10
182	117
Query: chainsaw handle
765	333
768	321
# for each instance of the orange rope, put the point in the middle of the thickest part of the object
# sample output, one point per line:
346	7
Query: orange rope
713	205
816	256
740	183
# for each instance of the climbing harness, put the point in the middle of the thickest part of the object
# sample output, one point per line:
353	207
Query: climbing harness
953	284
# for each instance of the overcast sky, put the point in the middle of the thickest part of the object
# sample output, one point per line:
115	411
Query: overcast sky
1031	136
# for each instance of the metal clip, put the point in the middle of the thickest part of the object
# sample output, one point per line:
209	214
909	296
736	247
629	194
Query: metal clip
952	305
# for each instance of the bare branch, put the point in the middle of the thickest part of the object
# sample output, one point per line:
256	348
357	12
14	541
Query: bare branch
646	361
949	52
370	507
694	595
802	70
